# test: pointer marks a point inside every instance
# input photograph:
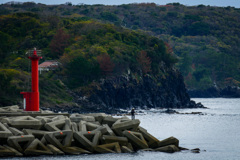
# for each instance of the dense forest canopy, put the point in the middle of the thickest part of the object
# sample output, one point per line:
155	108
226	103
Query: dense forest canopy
87	49
96	41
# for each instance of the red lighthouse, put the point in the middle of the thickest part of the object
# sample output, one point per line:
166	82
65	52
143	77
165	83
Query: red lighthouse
31	99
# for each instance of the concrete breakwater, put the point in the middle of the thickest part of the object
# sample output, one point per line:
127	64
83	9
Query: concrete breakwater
46	133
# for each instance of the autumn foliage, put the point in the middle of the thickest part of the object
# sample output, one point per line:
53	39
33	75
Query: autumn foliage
145	62
105	63
59	42
169	48
231	82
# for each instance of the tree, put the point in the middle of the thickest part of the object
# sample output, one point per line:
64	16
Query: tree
105	63
59	42
145	62
185	64
169	58
169	48
200	73
81	71
109	16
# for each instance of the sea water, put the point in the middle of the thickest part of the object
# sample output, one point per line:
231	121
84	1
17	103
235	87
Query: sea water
216	131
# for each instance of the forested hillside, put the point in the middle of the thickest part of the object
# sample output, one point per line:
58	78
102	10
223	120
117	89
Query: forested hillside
97	42
205	38
87	50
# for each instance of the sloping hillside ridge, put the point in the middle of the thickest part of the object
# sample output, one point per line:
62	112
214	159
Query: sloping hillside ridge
103	66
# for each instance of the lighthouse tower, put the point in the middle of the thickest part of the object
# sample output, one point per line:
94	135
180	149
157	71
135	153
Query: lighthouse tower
31	99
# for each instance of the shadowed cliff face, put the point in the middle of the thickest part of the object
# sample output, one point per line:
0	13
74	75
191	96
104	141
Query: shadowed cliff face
166	91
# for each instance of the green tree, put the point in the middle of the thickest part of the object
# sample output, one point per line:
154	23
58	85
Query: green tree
109	16
185	63
80	71
5	46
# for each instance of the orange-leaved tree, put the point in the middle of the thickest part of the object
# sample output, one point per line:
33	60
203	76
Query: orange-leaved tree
59	42
145	62
105	63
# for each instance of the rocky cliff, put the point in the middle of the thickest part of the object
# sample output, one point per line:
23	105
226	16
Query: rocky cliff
126	91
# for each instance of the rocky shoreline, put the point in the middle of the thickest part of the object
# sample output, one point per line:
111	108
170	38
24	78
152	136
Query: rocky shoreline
47	133
126	91
119	111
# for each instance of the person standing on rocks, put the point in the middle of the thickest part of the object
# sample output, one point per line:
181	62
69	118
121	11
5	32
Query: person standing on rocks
133	113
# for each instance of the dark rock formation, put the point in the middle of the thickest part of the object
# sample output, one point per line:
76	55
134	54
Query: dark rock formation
230	92
109	95
227	92
207	93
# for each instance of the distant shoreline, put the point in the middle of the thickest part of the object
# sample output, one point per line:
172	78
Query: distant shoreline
212	92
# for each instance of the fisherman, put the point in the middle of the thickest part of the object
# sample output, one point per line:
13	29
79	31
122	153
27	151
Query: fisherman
133	113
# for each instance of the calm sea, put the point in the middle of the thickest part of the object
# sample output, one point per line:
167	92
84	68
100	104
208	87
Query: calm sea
216	132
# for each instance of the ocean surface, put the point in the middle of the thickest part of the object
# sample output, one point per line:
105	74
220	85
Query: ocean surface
216	132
